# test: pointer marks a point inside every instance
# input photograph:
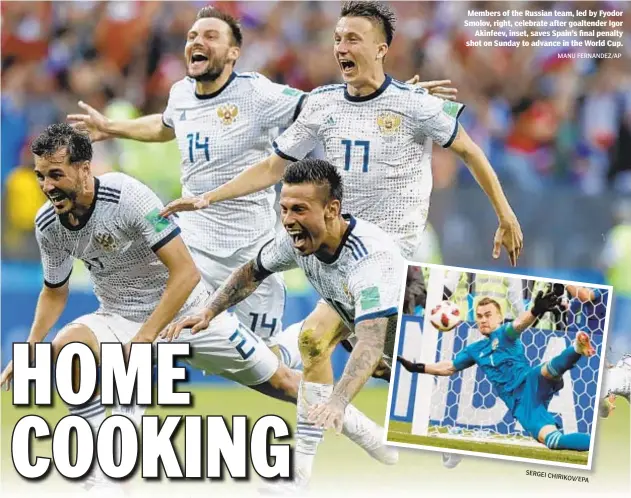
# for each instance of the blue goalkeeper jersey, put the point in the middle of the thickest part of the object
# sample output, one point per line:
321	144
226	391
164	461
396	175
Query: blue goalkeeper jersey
501	357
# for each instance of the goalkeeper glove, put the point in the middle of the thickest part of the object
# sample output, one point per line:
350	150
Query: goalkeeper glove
544	303
410	366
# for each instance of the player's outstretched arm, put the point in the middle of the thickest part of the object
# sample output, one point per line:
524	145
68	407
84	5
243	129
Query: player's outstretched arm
243	282
258	177
543	303
509	232
442	368
371	338
149	128
50	305
183	277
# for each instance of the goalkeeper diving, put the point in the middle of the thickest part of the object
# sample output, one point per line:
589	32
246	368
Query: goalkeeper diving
526	390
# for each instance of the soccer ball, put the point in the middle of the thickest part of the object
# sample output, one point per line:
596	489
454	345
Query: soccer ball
445	316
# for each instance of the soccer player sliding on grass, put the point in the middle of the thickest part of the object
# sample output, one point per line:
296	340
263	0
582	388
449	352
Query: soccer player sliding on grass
525	389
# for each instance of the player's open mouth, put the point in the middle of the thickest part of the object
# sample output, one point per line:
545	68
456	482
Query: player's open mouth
347	66
58	199
299	237
198	60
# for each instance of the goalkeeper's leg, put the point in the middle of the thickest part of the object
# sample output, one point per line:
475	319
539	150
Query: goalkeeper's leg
557	366
534	416
556	440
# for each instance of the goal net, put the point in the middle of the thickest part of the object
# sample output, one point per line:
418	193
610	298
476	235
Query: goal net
464	405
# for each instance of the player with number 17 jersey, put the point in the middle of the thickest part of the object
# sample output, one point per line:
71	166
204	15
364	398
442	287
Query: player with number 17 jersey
382	146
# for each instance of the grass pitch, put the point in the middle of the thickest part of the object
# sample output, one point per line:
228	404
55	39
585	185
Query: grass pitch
400	432
338	460
610	433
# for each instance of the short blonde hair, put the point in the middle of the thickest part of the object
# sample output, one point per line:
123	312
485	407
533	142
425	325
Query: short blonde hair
487	300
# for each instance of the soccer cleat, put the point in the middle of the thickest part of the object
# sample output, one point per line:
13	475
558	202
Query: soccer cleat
583	345
100	486
371	441
451	460
384	454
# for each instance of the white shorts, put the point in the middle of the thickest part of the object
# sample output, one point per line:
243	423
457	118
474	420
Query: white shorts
263	311
225	348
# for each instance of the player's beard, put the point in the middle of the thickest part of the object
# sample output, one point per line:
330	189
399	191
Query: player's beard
67	197
214	70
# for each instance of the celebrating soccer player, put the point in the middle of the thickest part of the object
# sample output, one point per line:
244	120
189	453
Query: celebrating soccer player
355	267
222	121
525	389
143	277
379	133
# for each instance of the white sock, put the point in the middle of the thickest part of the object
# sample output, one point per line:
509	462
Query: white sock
132	412
93	411
287	342
308	437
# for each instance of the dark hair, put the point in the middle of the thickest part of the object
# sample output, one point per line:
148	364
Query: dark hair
487	300
318	172
374	11
210	12
62	135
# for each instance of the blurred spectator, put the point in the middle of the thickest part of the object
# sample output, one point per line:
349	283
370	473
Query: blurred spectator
616	256
544	122
616	262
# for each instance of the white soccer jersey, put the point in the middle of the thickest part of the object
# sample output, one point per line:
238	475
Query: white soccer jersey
382	146
361	281
117	243
219	135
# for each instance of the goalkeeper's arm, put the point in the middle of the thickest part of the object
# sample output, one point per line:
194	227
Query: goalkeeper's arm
543	303
442	368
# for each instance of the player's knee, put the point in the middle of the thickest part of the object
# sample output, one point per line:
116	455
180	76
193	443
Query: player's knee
547	372
75	332
313	346
286	380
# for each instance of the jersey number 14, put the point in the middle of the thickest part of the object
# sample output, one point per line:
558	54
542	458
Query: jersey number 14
194	140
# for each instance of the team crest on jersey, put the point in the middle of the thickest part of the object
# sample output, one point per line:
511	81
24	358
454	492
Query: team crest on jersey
106	241
388	123
494	344
227	113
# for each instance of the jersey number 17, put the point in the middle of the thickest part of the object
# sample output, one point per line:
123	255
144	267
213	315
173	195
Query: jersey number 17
349	144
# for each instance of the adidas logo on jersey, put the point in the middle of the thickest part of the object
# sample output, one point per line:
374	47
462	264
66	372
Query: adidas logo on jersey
330	120
183	116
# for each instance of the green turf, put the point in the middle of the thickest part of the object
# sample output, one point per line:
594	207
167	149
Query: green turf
616	428
338	460
399	432
214	401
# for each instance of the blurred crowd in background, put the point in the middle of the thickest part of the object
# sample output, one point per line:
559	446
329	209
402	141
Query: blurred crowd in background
547	124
